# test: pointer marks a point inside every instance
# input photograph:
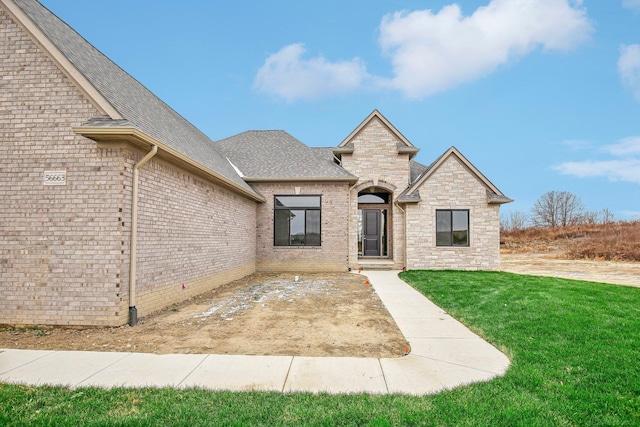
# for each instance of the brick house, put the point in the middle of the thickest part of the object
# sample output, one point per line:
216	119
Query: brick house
115	206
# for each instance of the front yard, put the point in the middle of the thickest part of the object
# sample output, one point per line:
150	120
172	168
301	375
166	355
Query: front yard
574	348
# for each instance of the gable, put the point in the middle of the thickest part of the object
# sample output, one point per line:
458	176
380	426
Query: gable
494	195
131	111
387	132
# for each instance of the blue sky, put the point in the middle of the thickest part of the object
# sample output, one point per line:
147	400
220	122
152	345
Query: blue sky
540	95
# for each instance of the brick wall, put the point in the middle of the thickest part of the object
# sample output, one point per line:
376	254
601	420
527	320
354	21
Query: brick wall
191	232
452	186
375	156
64	256
61	252
330	256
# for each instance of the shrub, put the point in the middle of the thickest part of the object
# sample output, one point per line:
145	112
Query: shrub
614	241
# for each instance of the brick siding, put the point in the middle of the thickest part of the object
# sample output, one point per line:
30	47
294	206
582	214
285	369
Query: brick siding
376	156
452	186
64	256
330	256
61	259
190	232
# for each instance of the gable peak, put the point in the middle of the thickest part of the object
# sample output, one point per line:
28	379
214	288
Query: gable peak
375	114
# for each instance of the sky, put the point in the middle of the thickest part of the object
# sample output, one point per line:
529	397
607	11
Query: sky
540	95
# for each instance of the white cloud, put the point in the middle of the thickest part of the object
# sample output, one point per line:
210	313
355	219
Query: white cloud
288	75
625	146
614	170
629	68
433	52
631	4
625	167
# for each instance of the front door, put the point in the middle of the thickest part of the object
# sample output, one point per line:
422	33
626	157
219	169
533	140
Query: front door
371	232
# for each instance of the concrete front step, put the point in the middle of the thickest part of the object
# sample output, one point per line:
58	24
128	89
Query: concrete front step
375	264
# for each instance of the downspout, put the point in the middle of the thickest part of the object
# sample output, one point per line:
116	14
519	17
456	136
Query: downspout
133	312
404	214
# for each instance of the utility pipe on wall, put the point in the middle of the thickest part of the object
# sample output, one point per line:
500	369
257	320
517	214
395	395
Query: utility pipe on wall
133	312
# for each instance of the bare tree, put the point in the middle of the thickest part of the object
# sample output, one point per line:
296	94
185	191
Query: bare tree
514	221
606	216
557	208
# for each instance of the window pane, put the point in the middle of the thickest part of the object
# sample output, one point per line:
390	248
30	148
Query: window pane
281	228
443	238
383	235
460	238
460	228
460	220
360	232
296	224
297	201
373	198
443	228
443	221
313	228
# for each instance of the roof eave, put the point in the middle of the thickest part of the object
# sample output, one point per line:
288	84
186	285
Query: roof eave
407	200
343	150
411	151
495	199
142	140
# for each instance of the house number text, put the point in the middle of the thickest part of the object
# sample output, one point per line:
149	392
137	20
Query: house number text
55	177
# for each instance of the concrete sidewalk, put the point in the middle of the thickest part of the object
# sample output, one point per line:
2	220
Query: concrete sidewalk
444	354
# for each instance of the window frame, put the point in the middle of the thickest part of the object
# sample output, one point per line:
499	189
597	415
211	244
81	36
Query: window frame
451	230
304	208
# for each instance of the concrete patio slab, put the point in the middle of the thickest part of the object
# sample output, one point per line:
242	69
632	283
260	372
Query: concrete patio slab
61	367
336	375
240	373
142	370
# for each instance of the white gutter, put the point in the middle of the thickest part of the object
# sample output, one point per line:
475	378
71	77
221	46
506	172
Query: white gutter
106	135
133	312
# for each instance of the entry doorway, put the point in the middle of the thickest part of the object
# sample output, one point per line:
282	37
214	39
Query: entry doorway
373	220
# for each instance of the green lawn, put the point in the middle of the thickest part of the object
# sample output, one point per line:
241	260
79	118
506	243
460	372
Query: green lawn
574	347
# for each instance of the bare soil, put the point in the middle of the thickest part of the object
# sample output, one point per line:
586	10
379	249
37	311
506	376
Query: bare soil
552	252
552	263
318	315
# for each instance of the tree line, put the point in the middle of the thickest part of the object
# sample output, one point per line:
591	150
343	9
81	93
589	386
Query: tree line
555	209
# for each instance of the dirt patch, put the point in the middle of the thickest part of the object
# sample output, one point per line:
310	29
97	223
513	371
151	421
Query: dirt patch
318	315
549	264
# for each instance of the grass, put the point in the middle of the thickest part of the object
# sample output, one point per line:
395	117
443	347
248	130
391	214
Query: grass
574	348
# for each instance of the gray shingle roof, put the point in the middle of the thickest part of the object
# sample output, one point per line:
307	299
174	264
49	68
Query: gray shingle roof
274	154
139	106
417	169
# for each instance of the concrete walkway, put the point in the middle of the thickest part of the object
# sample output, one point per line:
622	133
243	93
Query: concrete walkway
444	354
